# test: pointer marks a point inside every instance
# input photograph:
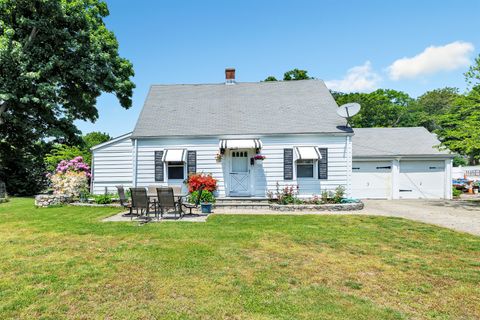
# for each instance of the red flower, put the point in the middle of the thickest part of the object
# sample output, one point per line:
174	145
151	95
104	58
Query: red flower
196	180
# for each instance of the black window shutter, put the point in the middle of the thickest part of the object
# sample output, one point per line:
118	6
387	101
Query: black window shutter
288	164
191	162
159	176
323	164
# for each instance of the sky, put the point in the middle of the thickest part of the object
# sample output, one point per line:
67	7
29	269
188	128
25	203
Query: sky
412	46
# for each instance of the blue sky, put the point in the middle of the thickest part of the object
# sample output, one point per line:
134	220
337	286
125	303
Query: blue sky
413	46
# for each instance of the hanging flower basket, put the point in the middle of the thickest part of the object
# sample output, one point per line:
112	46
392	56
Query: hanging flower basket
259	158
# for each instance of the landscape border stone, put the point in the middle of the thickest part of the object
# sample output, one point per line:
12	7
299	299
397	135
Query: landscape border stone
318	207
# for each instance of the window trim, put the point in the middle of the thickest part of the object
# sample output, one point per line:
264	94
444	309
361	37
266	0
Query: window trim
313	164
175	165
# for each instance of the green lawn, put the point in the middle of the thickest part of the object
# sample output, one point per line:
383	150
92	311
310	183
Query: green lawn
64	263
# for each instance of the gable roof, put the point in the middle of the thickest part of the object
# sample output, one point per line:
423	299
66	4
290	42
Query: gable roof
304	106
391	142
113	140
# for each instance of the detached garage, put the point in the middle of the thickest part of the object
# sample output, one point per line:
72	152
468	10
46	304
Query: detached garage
399	163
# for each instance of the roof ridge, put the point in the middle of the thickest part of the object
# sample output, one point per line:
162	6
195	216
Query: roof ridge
236	83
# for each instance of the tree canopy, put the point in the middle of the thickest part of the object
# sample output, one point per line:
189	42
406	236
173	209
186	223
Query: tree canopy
56	58
380	108
296	74
61	152
270	78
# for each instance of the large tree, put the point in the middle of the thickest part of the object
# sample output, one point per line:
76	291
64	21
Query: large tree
56	58
296	74
381	108
459	128
434	103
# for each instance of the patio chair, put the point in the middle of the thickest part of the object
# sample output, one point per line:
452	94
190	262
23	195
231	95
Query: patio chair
140	201
123	200
166	202
191	206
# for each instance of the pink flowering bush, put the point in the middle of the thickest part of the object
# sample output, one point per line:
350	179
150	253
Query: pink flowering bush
76	165
70	177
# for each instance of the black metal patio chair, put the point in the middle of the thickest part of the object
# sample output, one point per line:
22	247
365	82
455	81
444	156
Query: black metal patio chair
140	201
166	202
124	202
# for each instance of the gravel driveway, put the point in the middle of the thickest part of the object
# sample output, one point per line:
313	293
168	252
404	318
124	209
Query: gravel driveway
459	215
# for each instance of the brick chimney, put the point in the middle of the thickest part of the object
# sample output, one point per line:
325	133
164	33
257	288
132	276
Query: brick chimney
229	75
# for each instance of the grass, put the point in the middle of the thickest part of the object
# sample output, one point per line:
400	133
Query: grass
64	263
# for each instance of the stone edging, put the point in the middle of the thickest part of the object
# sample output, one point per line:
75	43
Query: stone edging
46	200
318	207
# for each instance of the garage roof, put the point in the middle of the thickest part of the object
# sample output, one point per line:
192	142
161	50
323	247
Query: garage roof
393	142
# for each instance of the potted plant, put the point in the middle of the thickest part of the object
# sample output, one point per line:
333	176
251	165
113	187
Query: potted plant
206	202
219	157
259	158
208	183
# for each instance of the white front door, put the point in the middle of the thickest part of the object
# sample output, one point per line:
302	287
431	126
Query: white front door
239	173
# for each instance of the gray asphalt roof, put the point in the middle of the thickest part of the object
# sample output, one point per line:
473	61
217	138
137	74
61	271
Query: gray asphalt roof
385	142
304	106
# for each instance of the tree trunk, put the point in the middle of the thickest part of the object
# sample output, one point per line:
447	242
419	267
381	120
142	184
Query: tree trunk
3	108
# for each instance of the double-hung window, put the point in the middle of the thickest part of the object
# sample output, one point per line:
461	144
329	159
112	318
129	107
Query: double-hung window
305	168
175	170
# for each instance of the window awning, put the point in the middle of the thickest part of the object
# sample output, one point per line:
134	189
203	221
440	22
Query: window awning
240	144
308	153
174	155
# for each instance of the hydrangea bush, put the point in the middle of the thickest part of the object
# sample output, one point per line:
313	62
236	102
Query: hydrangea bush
70	177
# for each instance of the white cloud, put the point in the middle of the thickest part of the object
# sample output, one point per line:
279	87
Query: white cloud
359	78
433	59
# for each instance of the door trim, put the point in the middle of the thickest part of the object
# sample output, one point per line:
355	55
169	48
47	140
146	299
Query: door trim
249	174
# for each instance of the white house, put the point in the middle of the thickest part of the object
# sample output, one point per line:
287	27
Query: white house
183	128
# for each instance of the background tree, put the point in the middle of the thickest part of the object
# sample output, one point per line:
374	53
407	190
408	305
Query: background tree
270	78
434	103
56	58
61	152
381	108
296	74
460	127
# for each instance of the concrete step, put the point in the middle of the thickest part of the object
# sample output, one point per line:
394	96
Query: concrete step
234	200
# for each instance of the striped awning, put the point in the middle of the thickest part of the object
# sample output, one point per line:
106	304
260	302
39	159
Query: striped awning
308	153
240	144
174	155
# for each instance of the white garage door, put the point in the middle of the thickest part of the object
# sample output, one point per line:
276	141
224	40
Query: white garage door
371	179
422	179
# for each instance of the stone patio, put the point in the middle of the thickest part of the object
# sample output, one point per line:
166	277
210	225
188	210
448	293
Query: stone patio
125	217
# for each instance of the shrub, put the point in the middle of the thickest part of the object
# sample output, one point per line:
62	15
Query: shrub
286	195
339	194
103	198
456	193
207	197
71	177
70	183
195	181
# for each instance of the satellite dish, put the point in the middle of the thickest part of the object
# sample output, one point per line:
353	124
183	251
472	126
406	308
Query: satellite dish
348	110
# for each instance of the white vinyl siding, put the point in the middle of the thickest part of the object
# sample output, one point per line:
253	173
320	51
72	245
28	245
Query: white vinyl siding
264	175
112	165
